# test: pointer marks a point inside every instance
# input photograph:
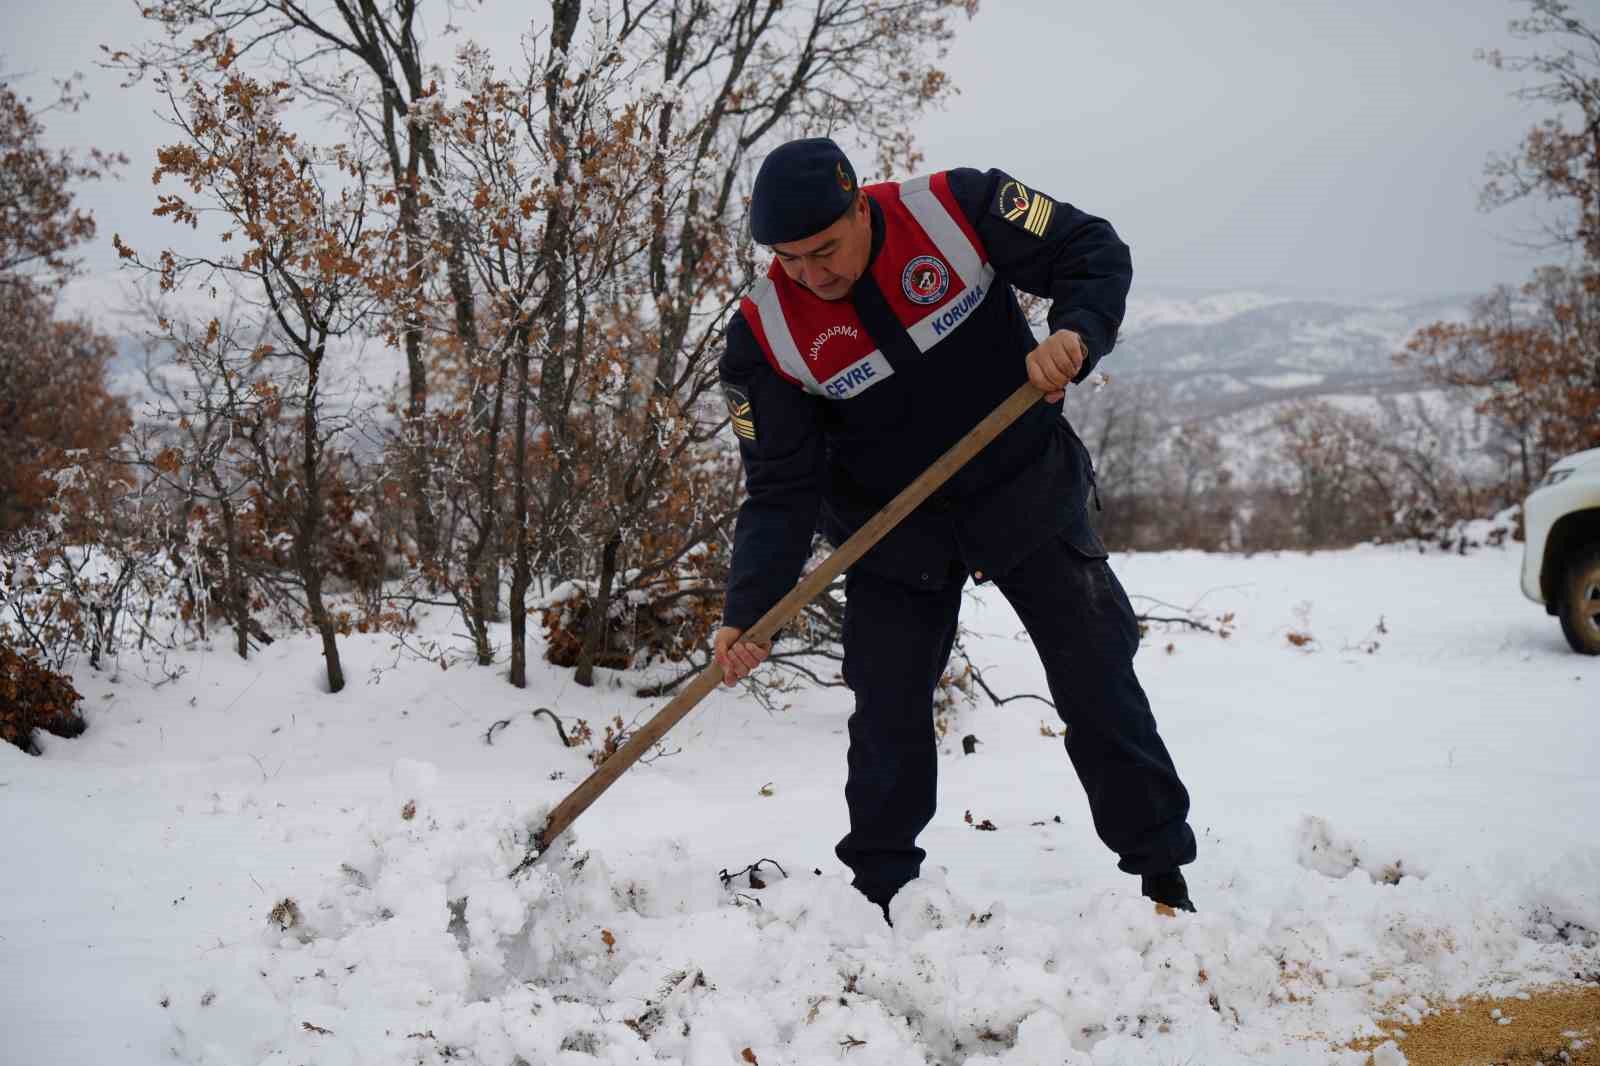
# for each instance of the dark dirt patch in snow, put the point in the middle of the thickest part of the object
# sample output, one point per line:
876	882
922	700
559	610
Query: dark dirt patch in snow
1555	1025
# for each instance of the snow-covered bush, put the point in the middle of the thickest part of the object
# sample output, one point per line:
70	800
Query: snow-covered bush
107	569
34	697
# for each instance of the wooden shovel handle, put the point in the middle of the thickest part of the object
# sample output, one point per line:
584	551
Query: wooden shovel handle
567	811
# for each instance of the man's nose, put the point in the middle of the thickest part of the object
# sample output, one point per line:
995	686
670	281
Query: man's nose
815	275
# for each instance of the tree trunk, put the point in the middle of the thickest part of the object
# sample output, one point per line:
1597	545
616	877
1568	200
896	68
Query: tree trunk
555	532
96	614
309	528
599	620
483	557
486	565
519	611
520	571
405	155
237	603
325	627
416	427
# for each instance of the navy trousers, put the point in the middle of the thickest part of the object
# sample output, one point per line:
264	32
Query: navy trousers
897	641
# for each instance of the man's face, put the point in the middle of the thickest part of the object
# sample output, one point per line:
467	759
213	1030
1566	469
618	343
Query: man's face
829	262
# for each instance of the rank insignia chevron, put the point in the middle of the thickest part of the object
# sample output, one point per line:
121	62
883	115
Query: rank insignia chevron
740	414
1025	208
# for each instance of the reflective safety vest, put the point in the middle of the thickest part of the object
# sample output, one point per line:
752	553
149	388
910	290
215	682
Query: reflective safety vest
932	270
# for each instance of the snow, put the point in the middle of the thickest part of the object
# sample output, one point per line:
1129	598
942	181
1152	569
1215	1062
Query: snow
1292	380
1148	309
1394	815
1387	1054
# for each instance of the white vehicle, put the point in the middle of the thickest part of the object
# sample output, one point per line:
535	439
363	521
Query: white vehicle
1561	557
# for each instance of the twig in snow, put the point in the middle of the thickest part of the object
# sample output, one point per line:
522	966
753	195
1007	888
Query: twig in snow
1190	622
977	675
1195	606
264	775
170	674
560	731
660	752
242	692
752	870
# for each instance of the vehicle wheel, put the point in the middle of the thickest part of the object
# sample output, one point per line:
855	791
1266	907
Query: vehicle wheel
1580	603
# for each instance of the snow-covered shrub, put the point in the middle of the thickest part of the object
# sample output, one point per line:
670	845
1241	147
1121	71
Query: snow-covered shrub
653	624
108	569
34	697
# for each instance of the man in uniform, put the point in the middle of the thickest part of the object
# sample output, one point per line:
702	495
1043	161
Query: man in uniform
885	329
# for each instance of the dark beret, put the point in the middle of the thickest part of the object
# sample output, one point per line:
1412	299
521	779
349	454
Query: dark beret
803	187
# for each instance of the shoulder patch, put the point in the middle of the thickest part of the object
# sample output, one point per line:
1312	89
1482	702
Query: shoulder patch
1025	208
740	414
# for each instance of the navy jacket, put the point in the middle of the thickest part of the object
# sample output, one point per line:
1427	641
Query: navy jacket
816	463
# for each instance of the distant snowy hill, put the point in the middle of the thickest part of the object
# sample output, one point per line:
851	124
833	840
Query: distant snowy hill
1221	353
1216	353
1222	360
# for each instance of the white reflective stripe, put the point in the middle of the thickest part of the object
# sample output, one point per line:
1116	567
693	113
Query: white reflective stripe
932	329
776	327
930	213
858	377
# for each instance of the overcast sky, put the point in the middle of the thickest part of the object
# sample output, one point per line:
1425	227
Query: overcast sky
1319	145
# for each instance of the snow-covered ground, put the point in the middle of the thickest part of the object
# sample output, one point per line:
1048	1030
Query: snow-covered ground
1435	726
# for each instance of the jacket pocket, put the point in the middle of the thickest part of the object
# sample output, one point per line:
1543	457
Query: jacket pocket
1083	540
1088	482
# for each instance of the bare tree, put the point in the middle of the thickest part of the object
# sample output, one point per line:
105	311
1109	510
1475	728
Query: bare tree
1121	426
196	446
300	215
1530	359
628	136
1559	159
1530	363
556	248
364	60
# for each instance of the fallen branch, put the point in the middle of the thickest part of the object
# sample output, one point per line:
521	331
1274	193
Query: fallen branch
750	871
1190	622
977	675
560	731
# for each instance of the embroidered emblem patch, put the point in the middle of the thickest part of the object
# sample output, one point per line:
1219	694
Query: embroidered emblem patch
925	280
740	415
1025	208
844	179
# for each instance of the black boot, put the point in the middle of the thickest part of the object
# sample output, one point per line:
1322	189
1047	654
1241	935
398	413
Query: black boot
1169	889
